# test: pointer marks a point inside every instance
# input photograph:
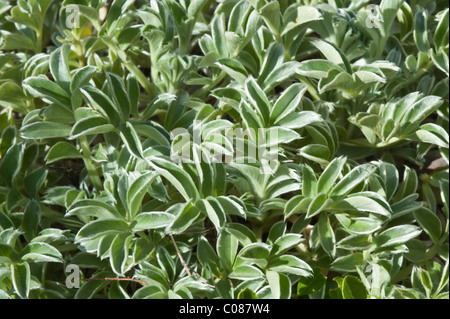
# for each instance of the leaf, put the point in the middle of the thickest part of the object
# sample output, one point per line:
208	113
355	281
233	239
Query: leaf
11	163
131	139
361	203
309	183
418	112
331	53
284	243
31	218
429	222
91	126
316	68
101	227
81	77
318	204
351	180
280	285
291	265
309	285
59	66
177	177
258	99
187	214
227	246
353	288
347	263
119	252
326	235
397	235
246	272
94	208
420	31
41	87
233	68
287	102
330	174
207	256
241	232
61	151
151	220
43	130
21	279
41	252
102	103
137	191
359	225
214	211
298	120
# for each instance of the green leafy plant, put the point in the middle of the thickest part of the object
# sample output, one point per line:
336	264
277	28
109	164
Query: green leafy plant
243	149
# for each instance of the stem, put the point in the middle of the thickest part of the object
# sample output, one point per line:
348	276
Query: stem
413	79
133	68
206	89
92	170
311	89
186	267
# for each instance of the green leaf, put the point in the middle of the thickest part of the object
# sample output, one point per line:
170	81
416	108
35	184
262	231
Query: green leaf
420	31
284	243
151	220
137	191
21	279
351	180
246	272
31	218
59	66
11	163
211	207
227	246
207	256
119	252
309	183
429	222
318	204
62	150
347	263
241	232
187	214
131	139
91	126
309	285
353	288
258	99
247	293
41	252
330	174
291	265
41	87
102	103
326	235
298	120
287	102
101	227
280	285
233	68
363	203
316	68
81	77
177	177
397	235
42	130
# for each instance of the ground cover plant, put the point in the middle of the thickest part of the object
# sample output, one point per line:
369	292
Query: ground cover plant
224	149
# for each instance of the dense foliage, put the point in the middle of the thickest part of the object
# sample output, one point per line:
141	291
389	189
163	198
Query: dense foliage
127	129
